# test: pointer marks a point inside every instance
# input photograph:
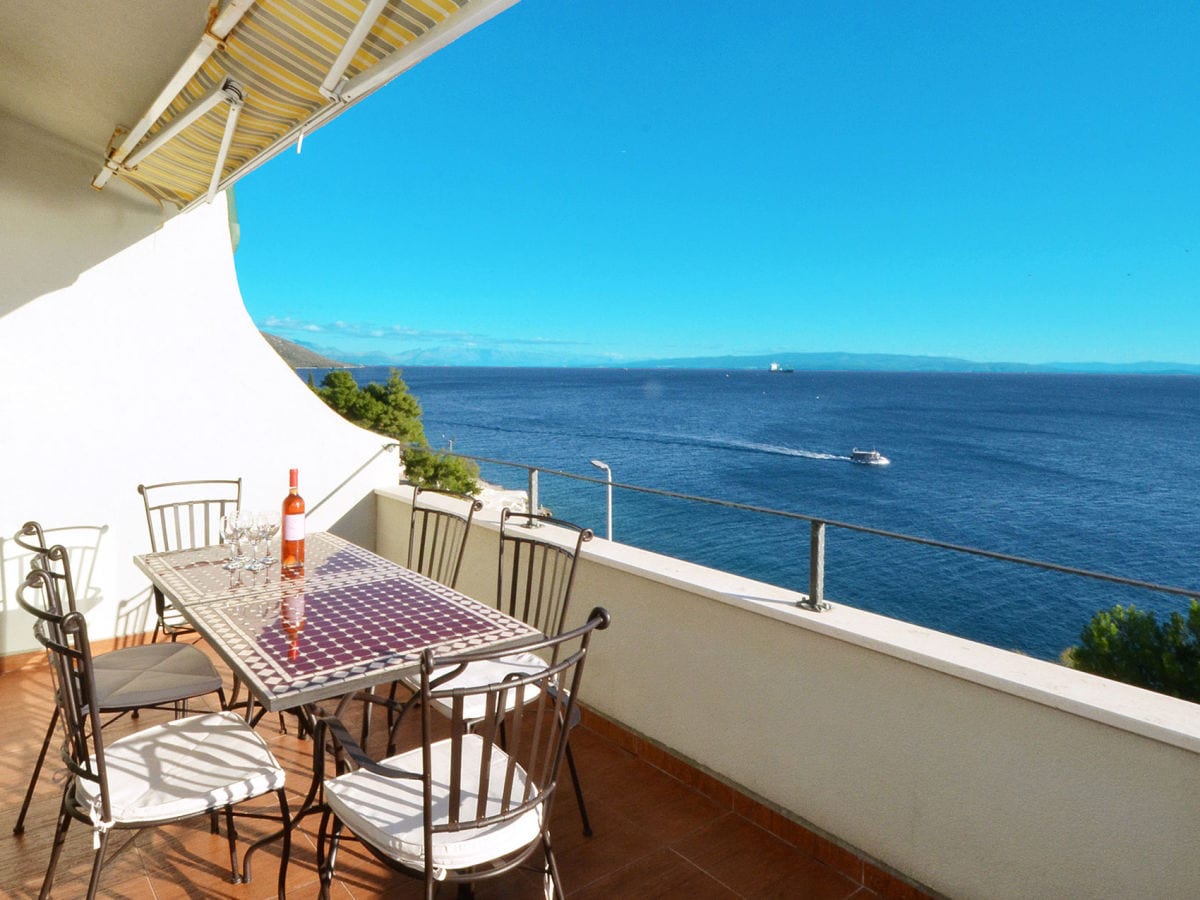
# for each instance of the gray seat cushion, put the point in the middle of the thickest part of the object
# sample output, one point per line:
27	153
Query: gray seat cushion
153	674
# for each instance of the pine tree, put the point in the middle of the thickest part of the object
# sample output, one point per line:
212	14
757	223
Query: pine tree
390	410
1130	645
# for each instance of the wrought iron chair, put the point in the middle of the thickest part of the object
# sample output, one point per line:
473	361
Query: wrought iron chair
536	573
437	539
534	580
183	515
179	770
470	806
438	530
148	676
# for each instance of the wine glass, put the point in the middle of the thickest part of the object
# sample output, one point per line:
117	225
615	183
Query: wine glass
270	528
232	533
257	531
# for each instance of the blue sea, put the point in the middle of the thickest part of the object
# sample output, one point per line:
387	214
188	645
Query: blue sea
1098	472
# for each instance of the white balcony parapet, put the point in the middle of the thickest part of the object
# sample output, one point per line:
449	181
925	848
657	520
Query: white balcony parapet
972	771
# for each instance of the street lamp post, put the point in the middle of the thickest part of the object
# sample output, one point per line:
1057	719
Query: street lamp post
608	472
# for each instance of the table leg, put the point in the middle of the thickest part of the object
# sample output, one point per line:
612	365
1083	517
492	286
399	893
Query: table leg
308	720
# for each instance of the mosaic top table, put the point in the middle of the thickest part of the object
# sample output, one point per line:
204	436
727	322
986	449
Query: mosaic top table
349	621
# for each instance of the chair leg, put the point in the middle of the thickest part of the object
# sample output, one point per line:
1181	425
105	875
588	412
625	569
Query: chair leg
327	854
98	864
19	828
232	836
286	849
552	884
587	825
60	838
213	826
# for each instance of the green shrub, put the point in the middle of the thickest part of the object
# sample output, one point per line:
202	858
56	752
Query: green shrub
1130	645
429	468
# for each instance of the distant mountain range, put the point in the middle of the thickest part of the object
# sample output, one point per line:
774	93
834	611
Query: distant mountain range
301	356
886	362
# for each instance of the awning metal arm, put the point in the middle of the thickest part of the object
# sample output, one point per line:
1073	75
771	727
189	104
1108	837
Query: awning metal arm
416	50
235	109
226	92
224	23
361	29
347	92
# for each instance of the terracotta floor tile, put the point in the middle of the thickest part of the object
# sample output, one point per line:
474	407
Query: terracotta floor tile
122	865
595	755
616	842
652	799
655	837
188	854
758	865
662	875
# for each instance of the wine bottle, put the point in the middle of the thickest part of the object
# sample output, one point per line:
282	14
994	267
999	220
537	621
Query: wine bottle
292	550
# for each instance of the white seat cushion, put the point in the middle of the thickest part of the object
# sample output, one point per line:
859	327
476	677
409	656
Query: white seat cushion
388	813
183	768
481	674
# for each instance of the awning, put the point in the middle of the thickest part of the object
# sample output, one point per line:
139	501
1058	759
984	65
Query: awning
264	73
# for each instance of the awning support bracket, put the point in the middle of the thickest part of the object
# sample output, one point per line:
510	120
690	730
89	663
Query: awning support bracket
228	91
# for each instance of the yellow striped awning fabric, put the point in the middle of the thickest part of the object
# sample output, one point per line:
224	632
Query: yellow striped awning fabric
278	54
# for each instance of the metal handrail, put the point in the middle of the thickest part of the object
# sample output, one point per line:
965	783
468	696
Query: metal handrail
815	599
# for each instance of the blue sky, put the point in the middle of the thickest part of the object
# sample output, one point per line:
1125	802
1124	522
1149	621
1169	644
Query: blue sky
609	180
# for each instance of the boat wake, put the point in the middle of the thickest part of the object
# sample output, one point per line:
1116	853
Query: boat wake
771	449
681	440
718	443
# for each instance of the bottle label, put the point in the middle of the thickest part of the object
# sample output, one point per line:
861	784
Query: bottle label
293	527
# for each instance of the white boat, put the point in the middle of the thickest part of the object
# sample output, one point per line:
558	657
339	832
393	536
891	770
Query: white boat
868	457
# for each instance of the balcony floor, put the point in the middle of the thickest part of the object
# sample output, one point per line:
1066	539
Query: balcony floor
654	835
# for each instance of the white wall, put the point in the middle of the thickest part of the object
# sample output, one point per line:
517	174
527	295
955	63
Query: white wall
974	771
140	364
53	226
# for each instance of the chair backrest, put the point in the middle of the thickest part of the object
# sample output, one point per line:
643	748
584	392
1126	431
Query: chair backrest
507	764
32	537
182	515
54	560
537	572
437	535
63	633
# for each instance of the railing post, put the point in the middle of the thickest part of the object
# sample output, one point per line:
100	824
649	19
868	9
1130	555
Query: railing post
533	491
816	569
